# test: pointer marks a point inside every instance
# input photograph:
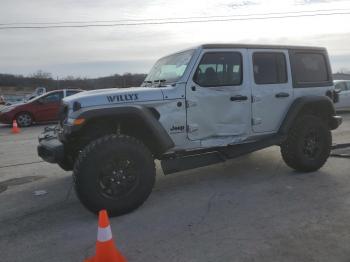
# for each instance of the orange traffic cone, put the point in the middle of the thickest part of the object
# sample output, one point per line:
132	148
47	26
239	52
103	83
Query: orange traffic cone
15	128
106	250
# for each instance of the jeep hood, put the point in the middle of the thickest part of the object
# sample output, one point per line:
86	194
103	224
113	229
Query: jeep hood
114	96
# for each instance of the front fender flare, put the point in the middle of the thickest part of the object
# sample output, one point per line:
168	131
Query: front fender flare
144	114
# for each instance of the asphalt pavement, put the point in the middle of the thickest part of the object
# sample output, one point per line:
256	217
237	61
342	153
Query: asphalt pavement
253	208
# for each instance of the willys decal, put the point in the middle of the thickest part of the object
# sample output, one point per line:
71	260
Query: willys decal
123	98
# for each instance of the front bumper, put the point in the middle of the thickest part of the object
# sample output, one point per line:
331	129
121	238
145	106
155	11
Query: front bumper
335	122
50	148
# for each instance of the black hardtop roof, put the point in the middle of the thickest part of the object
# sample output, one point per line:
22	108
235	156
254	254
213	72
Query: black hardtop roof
254	46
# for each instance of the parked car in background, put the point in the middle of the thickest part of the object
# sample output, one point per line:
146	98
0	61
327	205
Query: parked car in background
343	89
38	92
40	109
11	100
2	100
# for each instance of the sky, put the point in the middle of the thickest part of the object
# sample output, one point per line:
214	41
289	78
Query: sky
103	51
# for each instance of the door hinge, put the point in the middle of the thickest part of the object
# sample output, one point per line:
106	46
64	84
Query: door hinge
190	103
256	99
191	128
256	121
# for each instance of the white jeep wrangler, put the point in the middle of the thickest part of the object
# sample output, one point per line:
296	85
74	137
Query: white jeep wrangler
195	108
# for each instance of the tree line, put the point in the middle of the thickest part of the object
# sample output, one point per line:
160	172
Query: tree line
43	79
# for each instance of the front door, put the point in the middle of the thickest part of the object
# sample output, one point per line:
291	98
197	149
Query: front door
218	96
272	88
48	106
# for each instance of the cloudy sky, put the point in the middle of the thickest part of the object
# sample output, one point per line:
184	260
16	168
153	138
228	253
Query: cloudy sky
101	51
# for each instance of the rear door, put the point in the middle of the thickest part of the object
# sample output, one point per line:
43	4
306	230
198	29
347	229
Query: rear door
272	88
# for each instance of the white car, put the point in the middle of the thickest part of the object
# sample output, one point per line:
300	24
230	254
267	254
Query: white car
343	89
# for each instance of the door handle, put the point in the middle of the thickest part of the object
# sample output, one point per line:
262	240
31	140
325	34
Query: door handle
282	95
238	98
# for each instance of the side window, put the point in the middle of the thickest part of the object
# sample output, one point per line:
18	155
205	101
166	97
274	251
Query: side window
71	92
310	68
219	69
269	68
54	97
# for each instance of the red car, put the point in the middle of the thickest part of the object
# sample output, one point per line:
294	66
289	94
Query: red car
39	109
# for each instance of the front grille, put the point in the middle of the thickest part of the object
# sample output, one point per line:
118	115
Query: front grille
63	114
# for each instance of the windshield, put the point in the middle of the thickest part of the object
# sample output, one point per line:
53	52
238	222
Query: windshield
35	98
169	69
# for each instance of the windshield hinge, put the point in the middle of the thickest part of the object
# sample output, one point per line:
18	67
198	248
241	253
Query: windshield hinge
190	103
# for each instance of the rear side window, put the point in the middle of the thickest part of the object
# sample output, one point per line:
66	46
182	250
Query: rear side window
310	68
269	68
219	69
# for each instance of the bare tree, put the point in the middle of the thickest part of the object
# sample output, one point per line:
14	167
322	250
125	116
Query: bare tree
343	70
40	74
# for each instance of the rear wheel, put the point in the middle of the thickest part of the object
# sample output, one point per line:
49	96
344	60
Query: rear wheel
308	144
114	172
24	119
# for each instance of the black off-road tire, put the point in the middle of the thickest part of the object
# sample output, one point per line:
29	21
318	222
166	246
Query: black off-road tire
297	150
93	180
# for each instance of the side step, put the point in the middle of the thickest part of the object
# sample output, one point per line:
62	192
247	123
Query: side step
193	159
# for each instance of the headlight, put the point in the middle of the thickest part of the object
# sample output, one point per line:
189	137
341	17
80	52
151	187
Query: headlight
76	106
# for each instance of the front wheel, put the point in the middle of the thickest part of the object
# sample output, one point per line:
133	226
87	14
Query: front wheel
308	144
116	173
24	119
